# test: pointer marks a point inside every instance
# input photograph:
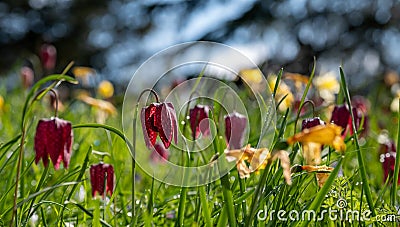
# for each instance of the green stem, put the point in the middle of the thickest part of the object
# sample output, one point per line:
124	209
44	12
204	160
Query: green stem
38	186
303	98
242	187
316	203
228	197
204	206
396	166
183	193
109	128
133	212
257	193
131	150
359	154
21	150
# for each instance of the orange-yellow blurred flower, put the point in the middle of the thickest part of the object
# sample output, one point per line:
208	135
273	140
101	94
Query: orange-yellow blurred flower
104	108
329	134
298	79
258	159
83	73
282	91
253	77
321	172
105	89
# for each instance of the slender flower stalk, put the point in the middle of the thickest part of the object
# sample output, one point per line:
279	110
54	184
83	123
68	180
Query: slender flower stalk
26	109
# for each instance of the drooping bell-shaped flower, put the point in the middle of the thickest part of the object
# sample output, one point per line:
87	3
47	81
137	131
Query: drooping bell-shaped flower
159	119
311	122
235	127
48	56
54	138
27	77
102	179
388	159
159	153
199	121
340	116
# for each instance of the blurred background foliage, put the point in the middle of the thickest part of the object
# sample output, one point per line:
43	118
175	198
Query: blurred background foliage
115	37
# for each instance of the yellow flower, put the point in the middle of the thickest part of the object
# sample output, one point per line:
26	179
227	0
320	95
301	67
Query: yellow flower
329	134
312	140
251	75
253	78
282	91
327	86
1	103
105	89
258	159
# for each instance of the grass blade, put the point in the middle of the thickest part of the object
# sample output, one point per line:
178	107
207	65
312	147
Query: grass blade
393	196
204	206
316	203
357	144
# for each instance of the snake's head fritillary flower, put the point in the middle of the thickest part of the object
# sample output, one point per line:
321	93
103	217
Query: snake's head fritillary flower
27	77
235	127
311	122
341	116
199	121
159	153
48	55
53	138
388	158
102	179
159	119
